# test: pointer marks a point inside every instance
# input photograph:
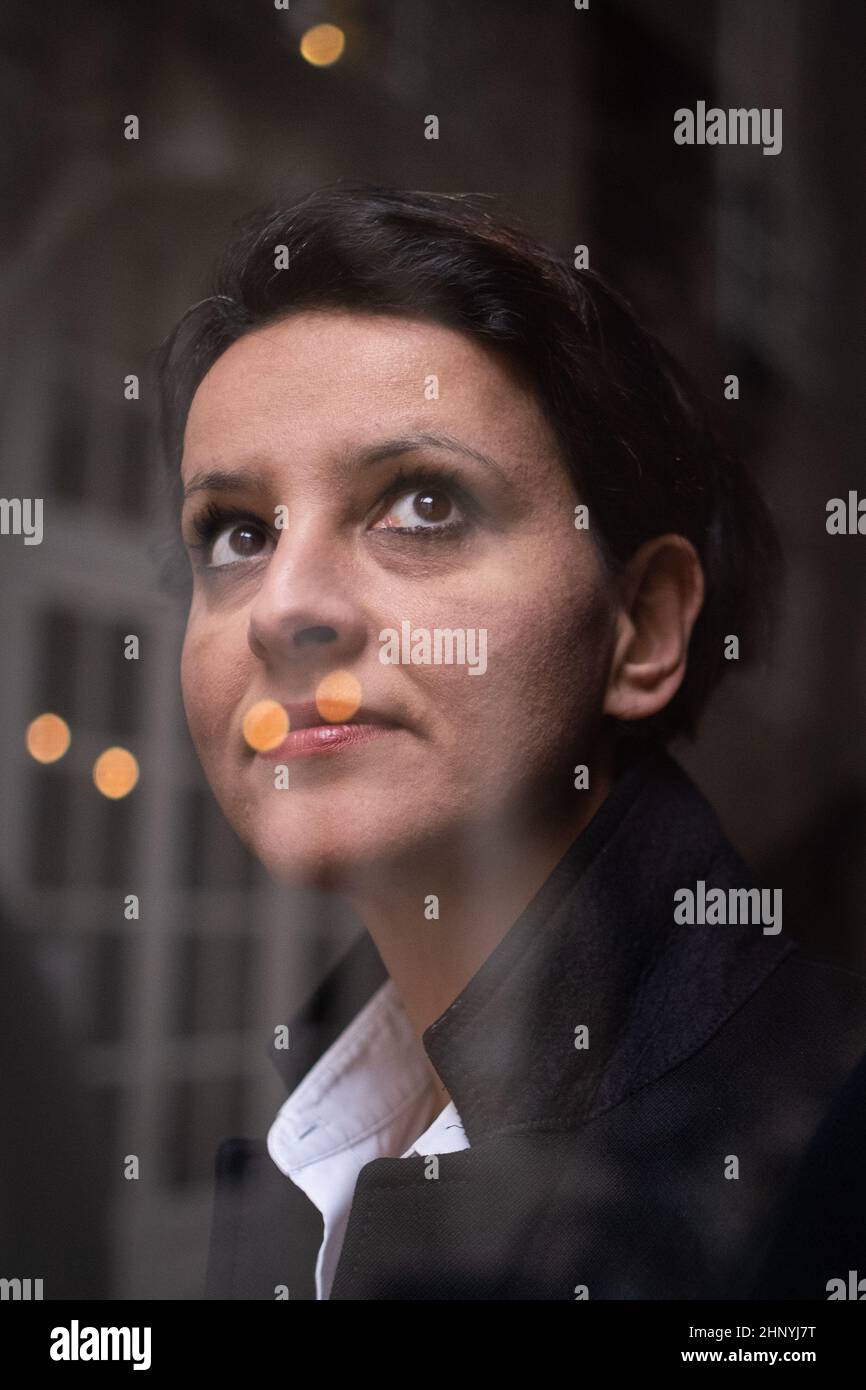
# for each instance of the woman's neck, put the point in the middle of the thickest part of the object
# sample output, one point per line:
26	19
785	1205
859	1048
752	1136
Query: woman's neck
435	921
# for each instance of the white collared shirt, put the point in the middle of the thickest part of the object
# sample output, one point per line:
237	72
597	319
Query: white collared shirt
365	1098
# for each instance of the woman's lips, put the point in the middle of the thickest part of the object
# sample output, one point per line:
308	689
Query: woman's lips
312	734
325	738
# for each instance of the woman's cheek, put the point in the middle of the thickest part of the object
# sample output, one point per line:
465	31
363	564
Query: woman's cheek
208	681
551	664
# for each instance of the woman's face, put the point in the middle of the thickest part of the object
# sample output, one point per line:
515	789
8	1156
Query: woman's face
385	474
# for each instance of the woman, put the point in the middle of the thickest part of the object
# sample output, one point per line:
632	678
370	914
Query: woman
465	556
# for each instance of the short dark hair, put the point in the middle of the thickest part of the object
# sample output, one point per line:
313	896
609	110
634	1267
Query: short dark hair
633	428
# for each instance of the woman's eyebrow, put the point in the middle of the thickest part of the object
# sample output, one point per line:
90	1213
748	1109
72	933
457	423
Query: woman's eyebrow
242	480
225	480
422	439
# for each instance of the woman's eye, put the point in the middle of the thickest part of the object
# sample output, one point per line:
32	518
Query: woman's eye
241	540
421	509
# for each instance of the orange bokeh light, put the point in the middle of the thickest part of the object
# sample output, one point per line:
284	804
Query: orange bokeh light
115	773
323	45
338	696
47	738
265	726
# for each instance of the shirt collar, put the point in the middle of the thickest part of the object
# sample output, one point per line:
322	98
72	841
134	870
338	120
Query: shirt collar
373	1083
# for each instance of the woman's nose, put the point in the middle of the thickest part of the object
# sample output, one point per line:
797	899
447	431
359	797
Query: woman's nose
306	613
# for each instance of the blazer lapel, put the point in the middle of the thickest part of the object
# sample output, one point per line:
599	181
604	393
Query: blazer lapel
597	948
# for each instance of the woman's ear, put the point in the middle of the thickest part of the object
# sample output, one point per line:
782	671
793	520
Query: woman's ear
662	589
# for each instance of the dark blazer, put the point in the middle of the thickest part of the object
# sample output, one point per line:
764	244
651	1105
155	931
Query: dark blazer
605	1171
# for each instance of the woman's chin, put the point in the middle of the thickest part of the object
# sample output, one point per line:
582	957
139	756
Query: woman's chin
330	855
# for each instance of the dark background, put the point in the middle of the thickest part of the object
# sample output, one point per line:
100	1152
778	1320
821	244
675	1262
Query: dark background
152	1037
